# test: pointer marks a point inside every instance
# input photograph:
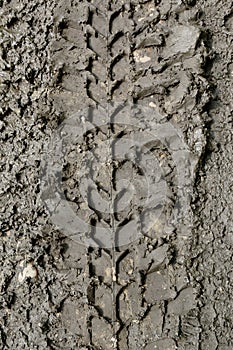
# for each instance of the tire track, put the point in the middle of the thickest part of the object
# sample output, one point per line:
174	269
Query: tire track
126	52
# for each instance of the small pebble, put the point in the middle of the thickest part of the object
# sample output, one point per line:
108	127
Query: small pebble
152	104
1	125
29	271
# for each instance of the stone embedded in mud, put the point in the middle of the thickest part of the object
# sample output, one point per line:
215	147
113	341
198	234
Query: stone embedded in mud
181	41
140	56
29	271
1	125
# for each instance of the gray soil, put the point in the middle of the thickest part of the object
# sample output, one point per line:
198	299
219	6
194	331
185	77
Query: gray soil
170	286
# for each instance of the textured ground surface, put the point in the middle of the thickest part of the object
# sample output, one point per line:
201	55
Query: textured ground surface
162	278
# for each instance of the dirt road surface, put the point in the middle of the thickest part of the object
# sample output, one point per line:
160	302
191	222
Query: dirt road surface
116	175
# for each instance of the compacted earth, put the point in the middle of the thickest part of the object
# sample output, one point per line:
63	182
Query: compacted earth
116	191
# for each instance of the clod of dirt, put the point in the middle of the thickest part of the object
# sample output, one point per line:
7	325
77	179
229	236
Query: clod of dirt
182	40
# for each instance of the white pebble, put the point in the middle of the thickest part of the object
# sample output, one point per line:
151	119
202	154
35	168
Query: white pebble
29	271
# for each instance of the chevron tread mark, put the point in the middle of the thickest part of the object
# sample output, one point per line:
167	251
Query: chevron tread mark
138	295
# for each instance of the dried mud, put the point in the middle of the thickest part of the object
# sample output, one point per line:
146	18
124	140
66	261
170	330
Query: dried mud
167	63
